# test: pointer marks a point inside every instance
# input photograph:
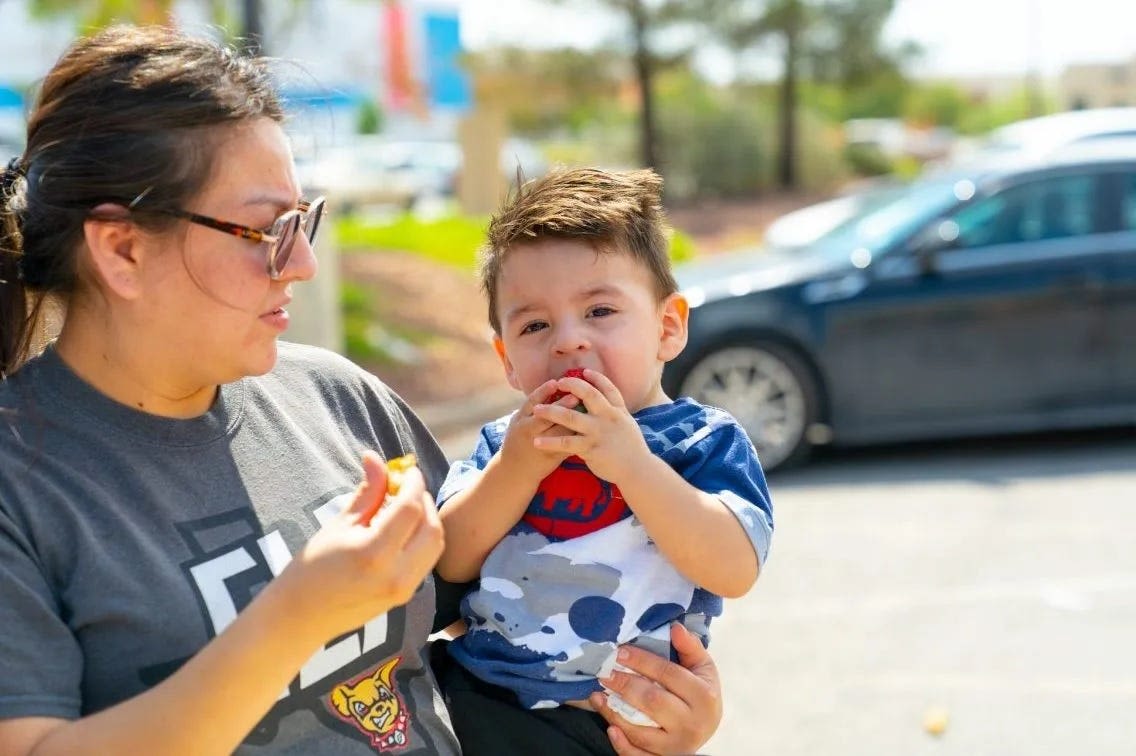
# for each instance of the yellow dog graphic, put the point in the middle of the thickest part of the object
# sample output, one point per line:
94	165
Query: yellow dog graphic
370	703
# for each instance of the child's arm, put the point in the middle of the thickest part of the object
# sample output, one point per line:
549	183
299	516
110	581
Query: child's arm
477	517
693	529
700	535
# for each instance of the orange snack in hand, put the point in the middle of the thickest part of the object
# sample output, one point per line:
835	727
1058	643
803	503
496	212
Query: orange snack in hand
395	469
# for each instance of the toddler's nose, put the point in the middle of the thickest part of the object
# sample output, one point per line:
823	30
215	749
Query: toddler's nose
570	339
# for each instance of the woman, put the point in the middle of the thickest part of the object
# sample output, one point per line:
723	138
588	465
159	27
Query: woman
187	563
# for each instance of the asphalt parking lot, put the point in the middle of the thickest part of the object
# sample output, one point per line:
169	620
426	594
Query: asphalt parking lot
987	587
984	587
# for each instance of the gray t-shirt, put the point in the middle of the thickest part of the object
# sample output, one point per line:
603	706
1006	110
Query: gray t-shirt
128	541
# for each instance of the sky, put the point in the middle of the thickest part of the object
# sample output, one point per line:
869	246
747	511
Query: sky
961	37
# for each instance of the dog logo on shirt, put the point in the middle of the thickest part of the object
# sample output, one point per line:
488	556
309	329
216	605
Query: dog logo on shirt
371	704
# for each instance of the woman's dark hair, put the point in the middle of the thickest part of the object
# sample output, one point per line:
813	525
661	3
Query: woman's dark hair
126	111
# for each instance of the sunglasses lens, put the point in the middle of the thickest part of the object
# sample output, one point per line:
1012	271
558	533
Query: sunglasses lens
312	219
284	243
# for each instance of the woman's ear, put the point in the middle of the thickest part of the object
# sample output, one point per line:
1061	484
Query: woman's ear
673	315
114	247
510	373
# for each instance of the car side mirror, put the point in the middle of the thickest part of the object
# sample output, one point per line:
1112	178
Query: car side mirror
937	238
926	258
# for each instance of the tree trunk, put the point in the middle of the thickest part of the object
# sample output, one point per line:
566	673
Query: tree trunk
644	70
787	159
252	35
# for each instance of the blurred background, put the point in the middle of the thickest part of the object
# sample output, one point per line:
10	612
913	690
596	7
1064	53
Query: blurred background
907	230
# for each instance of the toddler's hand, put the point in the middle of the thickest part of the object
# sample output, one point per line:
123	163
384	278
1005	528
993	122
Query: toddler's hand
518	447
606	437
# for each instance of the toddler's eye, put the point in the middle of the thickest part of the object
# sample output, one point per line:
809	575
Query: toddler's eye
600	311
533	327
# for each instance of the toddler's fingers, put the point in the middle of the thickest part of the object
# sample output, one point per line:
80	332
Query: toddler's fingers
605	387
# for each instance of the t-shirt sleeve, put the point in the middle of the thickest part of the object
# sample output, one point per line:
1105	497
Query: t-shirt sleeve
40	657
431	458
464	471
724	463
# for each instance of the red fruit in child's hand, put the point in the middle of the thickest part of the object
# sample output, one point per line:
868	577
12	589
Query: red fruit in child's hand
573	373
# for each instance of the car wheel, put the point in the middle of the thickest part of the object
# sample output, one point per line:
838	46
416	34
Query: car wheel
770	391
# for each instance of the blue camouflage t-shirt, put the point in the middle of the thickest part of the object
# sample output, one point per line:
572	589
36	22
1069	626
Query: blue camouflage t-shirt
579	575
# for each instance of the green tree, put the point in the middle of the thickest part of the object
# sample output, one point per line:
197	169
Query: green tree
100	13
835	42
646	22
938	104
548	90
368	118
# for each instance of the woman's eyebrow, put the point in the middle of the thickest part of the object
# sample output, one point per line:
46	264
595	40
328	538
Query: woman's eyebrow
281	201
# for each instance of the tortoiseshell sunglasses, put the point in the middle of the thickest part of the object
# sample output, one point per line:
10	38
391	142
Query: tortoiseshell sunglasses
280	236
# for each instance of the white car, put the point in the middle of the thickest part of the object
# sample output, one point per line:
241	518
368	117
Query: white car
1031	138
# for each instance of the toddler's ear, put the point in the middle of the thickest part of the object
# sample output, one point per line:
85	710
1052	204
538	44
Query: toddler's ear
510	373
673	315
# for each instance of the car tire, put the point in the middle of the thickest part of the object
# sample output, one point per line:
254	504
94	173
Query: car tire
768	388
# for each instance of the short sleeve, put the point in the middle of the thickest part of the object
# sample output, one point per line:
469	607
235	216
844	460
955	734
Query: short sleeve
40	657
431	458
464	471
724	463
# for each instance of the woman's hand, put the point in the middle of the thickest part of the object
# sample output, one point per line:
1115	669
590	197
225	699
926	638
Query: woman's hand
686	702
368	559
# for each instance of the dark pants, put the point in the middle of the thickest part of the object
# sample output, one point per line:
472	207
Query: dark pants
489	721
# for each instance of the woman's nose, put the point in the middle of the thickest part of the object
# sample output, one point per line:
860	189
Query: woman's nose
302	264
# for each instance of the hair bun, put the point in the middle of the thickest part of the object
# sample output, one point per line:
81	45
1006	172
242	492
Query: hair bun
11	173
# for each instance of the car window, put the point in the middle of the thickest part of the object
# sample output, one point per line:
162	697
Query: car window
1128	203
895	216
1047	209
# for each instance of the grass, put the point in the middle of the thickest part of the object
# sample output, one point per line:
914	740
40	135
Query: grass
368	337
371	338
452	240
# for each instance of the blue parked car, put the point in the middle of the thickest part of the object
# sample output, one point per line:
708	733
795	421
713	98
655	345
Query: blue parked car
996	299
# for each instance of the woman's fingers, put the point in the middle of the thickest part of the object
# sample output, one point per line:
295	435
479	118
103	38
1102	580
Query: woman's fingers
424	547
684	698
622	745
627	738
404	512
682	680
694	656
406	540
370	494
661	704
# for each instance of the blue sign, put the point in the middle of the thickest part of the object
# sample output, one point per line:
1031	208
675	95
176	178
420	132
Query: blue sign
10	98
448	84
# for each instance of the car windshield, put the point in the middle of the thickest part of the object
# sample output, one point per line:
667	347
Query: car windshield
883	224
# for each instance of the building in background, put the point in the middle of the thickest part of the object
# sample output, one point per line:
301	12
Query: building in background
1099	85
335	56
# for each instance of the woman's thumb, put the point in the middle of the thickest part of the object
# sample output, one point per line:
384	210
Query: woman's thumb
369	497
686	644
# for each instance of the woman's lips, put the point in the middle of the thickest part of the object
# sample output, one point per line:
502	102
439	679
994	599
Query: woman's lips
277	319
